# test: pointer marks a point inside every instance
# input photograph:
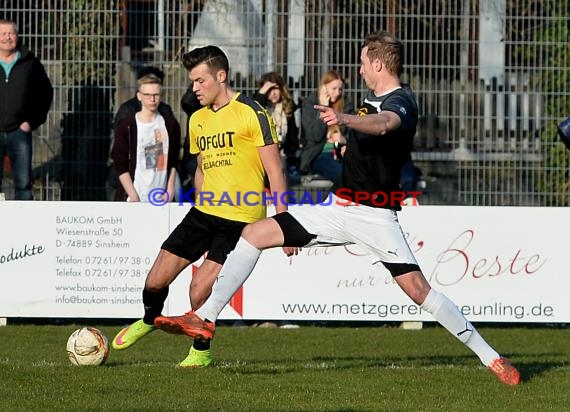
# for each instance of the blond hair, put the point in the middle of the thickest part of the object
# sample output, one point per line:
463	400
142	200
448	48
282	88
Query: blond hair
148	79
326	78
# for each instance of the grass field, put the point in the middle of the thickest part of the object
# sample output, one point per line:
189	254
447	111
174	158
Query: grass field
308	369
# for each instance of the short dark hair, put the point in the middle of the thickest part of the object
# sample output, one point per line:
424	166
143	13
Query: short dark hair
384	46
155	71
212	56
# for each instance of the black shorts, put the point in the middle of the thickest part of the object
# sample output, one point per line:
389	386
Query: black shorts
199	233
294	234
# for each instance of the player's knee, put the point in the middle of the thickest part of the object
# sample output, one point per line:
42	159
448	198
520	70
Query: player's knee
260	234
155	282
414	285
248	233
418	295
155	286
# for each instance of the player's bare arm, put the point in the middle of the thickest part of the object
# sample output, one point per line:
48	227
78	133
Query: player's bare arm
198	176
374	124
271	160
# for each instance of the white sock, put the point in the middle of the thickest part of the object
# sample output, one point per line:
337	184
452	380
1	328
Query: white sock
234	273
449	316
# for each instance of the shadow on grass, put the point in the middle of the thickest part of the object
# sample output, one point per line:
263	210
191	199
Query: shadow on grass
528	370
283	366
532	370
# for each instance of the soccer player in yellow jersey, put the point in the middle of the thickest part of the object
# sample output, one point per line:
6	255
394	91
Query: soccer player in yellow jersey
235	142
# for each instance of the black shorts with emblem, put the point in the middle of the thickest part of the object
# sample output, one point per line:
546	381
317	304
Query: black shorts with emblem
199	233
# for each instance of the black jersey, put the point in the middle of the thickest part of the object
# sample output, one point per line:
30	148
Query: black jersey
372	164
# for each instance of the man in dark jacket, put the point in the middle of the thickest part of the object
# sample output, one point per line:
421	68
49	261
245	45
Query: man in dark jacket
128	109
26	95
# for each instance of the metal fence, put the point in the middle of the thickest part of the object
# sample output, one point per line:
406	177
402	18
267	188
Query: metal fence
491	78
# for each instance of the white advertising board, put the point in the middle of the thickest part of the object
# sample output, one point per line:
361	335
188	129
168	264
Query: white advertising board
80	259
76	259
497	264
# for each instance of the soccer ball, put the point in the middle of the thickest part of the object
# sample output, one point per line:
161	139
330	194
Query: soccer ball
87	346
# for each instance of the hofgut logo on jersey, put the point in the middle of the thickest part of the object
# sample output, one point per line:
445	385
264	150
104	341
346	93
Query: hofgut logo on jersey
216	141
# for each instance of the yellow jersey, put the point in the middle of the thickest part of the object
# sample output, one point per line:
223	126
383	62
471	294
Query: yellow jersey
227	141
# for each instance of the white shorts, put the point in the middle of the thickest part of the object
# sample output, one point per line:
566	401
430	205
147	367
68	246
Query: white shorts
376	230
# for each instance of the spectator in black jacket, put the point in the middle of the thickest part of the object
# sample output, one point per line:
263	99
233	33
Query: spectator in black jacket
128	109
26	95
146	150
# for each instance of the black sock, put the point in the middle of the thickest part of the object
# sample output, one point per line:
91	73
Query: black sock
200	344
153	304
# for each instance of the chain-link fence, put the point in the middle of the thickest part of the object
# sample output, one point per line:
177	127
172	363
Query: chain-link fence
491	78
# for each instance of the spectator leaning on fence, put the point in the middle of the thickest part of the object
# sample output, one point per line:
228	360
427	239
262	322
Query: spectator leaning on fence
26	95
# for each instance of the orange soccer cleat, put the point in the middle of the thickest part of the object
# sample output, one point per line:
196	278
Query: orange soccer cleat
188	324
506	372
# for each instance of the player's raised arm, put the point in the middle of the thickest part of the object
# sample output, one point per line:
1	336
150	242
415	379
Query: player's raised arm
374	124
